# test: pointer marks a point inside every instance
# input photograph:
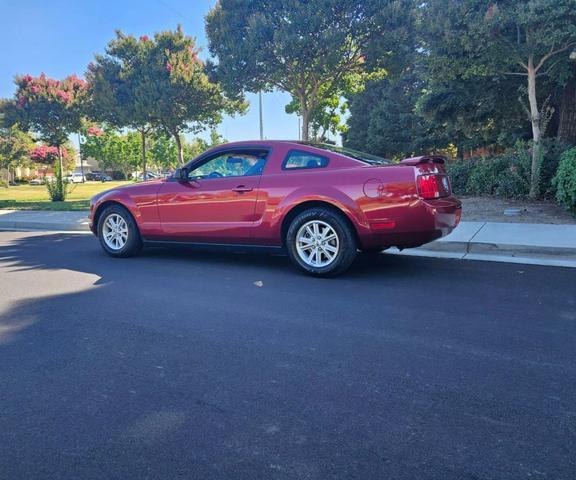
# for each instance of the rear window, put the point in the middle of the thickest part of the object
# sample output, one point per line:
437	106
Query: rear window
296	160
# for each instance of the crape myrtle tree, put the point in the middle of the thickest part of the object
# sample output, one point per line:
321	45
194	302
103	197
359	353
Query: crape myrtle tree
119	96
186	100
52	109
529	40
156	83
308	49
47	155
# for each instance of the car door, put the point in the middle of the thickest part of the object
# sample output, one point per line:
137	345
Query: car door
216	204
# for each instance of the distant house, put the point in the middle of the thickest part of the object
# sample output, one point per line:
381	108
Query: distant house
90	164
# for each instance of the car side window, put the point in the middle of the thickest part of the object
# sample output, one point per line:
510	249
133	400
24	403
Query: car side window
297	159
230	164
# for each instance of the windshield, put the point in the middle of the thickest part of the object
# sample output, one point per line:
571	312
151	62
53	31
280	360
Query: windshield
362	156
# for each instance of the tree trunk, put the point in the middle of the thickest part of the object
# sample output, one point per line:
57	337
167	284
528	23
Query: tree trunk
143	136
305	124
536	132
179	145
567	127
60	162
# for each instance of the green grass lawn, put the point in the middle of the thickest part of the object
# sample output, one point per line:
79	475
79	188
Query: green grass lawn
35	197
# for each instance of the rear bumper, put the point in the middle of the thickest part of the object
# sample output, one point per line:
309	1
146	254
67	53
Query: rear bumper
420	223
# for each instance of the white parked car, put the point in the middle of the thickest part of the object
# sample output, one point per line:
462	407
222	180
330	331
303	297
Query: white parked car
149	176
75	178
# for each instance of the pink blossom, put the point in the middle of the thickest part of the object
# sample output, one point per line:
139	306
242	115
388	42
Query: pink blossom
64	96
27	78
144	38
94	131
169	67
35	88
21	101
44	153
77	82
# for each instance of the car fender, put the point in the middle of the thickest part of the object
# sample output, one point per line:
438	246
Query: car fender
123	198
329	195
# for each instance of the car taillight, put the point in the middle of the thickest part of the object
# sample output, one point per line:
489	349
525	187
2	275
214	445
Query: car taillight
433	186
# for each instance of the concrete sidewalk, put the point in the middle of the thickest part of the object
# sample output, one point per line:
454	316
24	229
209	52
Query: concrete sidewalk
40	220
512	242
533	243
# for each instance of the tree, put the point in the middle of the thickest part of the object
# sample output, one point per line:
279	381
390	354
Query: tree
156	83
165	153
118	94
530	39
327	115
113	151
52	109
567	119
185	100
304	48
384	119
15	148
47	155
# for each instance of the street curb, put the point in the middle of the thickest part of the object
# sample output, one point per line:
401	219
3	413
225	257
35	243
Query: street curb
484	248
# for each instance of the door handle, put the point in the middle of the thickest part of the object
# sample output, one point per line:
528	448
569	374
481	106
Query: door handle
242	189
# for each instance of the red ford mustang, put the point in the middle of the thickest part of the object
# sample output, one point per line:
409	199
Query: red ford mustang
320	203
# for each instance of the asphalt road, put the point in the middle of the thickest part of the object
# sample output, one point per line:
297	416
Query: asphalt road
194	365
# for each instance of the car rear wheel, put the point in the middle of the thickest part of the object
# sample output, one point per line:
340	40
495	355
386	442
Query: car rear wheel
118	232
321	243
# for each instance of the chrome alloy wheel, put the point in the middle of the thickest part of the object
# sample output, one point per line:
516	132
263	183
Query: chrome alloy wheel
317	243
115	231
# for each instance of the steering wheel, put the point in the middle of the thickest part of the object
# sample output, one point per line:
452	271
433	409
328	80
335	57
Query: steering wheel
215	175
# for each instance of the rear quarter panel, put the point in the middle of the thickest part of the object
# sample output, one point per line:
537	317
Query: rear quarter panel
341	184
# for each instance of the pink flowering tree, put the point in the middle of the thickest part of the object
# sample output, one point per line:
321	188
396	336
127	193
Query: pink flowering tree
186	100
44	154
53	110
156	83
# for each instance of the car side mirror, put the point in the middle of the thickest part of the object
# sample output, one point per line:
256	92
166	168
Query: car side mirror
181	174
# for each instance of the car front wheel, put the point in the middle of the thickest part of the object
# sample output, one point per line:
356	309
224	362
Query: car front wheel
118	232
320	242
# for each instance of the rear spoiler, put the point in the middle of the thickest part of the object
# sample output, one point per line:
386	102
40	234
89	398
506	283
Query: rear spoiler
424	159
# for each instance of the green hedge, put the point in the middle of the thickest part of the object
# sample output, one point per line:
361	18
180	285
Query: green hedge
506	175
565	180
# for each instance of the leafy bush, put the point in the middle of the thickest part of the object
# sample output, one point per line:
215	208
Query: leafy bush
459	172
552	151
565	180
505	175
57	188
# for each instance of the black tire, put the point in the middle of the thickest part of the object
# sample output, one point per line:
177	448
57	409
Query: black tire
133	243
346	241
